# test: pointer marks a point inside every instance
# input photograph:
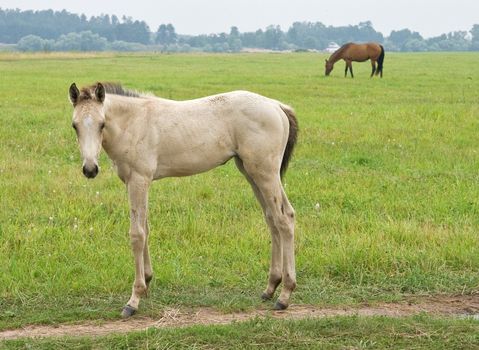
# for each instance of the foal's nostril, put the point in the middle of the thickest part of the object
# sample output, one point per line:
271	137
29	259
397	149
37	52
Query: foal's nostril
90	173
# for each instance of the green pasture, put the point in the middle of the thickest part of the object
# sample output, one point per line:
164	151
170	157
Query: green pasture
384	180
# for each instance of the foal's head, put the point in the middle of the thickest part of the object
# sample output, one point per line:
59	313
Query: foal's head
328	67
88	122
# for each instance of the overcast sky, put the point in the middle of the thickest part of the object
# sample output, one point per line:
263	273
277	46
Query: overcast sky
428	17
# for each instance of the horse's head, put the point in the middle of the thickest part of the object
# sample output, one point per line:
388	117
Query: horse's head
88	122
328	67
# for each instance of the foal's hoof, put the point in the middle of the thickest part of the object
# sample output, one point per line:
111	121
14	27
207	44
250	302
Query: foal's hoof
266	296
128	311
280	306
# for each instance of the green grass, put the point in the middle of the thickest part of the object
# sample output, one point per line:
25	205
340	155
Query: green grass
332	333
392	162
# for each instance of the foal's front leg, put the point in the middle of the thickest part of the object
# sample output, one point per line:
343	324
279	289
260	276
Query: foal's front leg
138	196
146	256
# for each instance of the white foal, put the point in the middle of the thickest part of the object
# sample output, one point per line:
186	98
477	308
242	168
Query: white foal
149	138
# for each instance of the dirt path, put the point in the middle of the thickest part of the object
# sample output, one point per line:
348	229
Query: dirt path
440	305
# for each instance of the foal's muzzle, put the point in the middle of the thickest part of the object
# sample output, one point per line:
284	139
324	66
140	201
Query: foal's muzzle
90	172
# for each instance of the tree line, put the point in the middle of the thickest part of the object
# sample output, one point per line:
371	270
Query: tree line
49	30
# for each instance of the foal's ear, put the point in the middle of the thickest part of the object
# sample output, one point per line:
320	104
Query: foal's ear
100	92
74	93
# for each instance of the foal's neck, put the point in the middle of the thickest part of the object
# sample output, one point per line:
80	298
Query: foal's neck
119	108
118	111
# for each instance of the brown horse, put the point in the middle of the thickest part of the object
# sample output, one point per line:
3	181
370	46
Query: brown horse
360	53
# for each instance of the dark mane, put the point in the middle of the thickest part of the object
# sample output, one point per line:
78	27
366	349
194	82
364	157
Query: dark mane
88	92
117	89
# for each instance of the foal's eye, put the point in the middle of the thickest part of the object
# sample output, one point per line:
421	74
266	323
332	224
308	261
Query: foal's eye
102	126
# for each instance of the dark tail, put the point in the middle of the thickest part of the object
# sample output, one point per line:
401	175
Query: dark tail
292	137
380	62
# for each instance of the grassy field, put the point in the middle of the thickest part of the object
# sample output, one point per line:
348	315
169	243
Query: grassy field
333	333
384	182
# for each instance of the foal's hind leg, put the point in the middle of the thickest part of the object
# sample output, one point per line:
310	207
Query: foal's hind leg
289	267
277	206
283	217
276	265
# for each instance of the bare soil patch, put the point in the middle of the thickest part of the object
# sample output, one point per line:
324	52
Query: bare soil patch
463	305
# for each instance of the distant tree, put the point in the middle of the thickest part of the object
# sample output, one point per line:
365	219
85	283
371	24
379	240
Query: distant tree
30	43
132	31
401	37
249	39
54	28
217	41
92	42
234	42
49	24
68	42
415	45
125	46
310	43
221	47
259	38
102	25
198	41
475	37
114	20
364	31
234	32
273	38
83	41
453	41
433	43
178	48
166	34
309	35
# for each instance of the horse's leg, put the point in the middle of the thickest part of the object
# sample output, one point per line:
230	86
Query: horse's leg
146	256
346	70
268	181
275	269
350	64
373	64
138	196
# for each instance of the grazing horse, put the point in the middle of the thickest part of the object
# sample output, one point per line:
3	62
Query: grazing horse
359	53
149	138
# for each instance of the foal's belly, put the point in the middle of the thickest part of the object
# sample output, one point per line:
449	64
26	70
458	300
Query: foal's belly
190	163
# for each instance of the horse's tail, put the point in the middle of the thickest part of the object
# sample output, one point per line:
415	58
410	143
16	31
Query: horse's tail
292	137
380	61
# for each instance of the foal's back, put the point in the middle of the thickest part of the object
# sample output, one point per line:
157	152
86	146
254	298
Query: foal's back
193	136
